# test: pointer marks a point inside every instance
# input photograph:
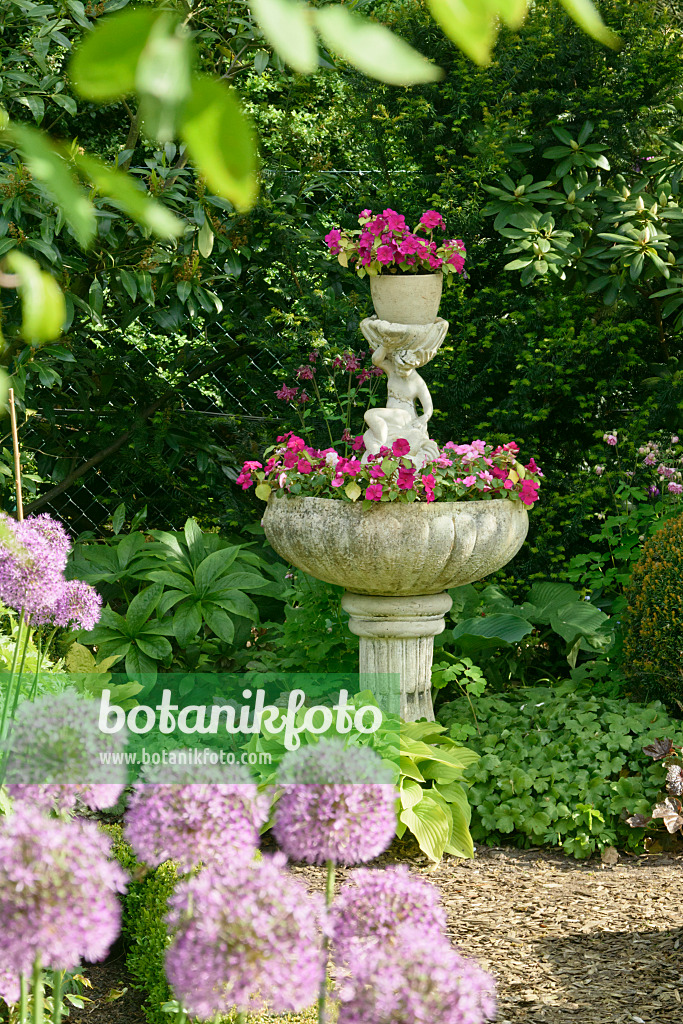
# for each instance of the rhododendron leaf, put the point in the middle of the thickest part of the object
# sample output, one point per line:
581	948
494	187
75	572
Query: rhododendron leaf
287	26
220	141
42	302
352	490
372	48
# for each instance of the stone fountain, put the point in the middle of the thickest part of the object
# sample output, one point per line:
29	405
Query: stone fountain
396	561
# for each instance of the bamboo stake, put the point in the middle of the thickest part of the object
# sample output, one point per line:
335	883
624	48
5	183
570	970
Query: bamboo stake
17	458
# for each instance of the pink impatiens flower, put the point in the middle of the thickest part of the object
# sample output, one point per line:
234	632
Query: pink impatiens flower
430	219
385	254
400	447
470	481
406	479
358	444
374	492
332	240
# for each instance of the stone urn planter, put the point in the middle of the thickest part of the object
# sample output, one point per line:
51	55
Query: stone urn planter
396	562
407	298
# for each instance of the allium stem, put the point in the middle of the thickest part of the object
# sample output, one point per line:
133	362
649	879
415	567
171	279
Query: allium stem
23	999
181	1016
329	896
8	695
17	692
38	994
57	978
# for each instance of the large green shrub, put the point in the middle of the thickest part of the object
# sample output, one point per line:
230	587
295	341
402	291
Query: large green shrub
653	644
559	768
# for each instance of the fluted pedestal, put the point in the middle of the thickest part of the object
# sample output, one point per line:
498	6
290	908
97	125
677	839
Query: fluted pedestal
397	648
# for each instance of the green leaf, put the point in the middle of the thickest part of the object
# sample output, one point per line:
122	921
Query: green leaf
105	64
286	25
140	664
163	77
187	622
215	565
42	301
469	24
507	628
411	793
586	16
219	621
156	647
205	239
172	579
220	141
124	193
141	607
194	539
430	825
243	581
129	283
372	48
50	168
118	518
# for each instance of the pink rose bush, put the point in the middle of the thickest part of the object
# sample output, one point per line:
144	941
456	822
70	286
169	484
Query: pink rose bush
460	472
385	244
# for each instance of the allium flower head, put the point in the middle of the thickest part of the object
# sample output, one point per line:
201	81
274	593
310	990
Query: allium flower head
337	804
374	904
79	606
9	986
57	892
420	979
246	938
31	564
209	814
54	749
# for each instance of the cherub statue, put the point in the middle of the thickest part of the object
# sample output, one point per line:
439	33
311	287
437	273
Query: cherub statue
399	419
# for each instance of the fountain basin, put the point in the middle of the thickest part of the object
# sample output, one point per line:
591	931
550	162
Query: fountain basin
396	548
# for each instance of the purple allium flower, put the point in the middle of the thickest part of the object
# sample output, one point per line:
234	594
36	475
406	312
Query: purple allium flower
246	938
57	891
54	749
208	814
374	903
420	979
79	606
9	986
31	565
337	804
54	533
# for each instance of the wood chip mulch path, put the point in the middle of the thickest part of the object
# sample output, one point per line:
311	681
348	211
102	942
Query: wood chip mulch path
569	942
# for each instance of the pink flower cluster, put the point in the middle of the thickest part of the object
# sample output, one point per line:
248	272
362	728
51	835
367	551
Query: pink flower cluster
385	242
345	362
657	465
460	472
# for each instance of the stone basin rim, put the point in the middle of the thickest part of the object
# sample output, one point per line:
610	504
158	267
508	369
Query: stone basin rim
455	542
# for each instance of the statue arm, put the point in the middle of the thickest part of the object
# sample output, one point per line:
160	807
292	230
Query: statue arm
422	392
381	358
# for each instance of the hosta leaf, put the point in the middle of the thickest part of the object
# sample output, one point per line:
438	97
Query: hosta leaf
430	824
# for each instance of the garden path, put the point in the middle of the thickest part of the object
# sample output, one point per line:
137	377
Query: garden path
569	942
